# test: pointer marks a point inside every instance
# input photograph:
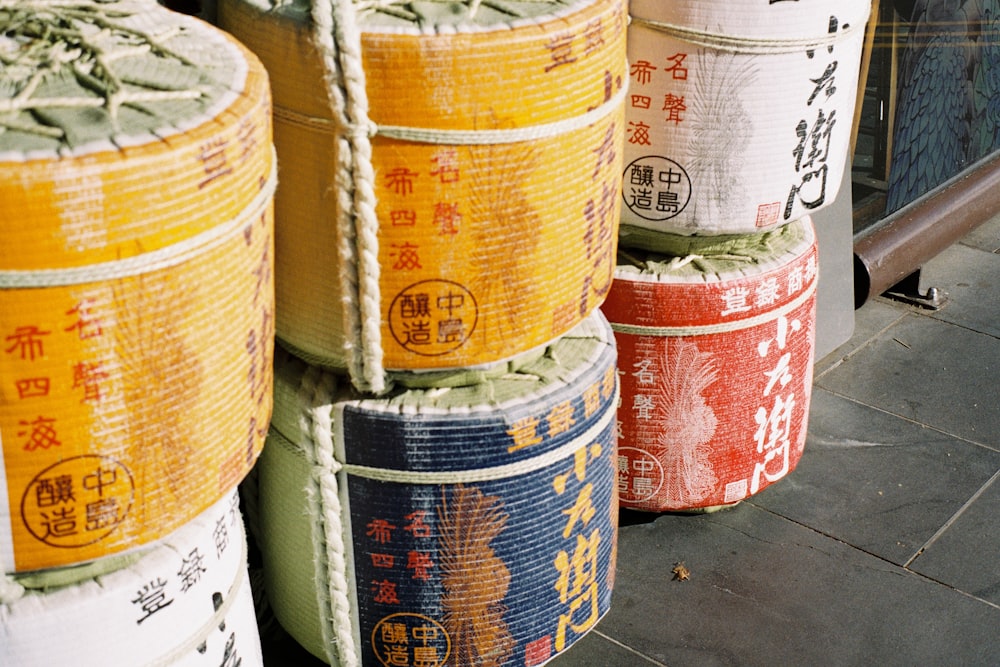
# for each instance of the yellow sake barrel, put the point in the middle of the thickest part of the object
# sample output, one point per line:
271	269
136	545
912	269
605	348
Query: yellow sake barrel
136	293
495	154
739	113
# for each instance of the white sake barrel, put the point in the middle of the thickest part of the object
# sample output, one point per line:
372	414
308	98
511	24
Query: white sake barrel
187	602
739	113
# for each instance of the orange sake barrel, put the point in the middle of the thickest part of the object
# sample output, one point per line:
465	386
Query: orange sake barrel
715	345
496	153
136	291
739	113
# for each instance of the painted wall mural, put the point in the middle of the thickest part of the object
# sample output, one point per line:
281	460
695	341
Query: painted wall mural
948	104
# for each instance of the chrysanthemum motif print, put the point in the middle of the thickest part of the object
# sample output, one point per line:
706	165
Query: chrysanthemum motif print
687	422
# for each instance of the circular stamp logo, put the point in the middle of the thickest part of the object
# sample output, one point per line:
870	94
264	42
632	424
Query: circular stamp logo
410	639
655	187
77	501
433	317
640	475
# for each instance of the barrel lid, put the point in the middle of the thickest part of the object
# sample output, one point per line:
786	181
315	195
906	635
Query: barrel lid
433	16
678	258
86	76
536	375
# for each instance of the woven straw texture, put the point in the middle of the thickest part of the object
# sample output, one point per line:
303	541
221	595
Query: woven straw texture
739	114
136	275
716	359
473	524
184	603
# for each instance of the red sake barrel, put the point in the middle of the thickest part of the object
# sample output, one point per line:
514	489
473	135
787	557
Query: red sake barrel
715	345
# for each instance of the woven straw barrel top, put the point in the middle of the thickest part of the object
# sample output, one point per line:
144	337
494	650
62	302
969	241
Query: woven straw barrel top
136	282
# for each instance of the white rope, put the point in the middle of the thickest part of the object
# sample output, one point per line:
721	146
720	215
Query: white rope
721	327
338	40
503	136
469	137
147	262
191	644
492	473
316	391
738	44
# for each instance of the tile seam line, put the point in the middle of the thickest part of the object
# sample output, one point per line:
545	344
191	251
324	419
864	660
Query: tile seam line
917	311
871	339
930	316
952	519
629	649
910	420
973	246
903	570
951	588
903	311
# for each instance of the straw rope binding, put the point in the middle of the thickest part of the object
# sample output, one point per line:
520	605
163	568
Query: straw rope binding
147	262
471	137
137	176
500	500
743	44
722	327
216	620
317	388
338	38
491	473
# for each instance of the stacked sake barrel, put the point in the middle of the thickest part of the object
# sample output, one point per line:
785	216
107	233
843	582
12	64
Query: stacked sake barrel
438	482
185	601
136	310
469	525
739	119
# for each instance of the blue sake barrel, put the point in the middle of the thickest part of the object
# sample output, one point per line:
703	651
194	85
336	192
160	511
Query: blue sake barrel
469	523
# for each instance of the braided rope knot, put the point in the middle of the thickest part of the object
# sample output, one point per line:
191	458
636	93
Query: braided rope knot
365	129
